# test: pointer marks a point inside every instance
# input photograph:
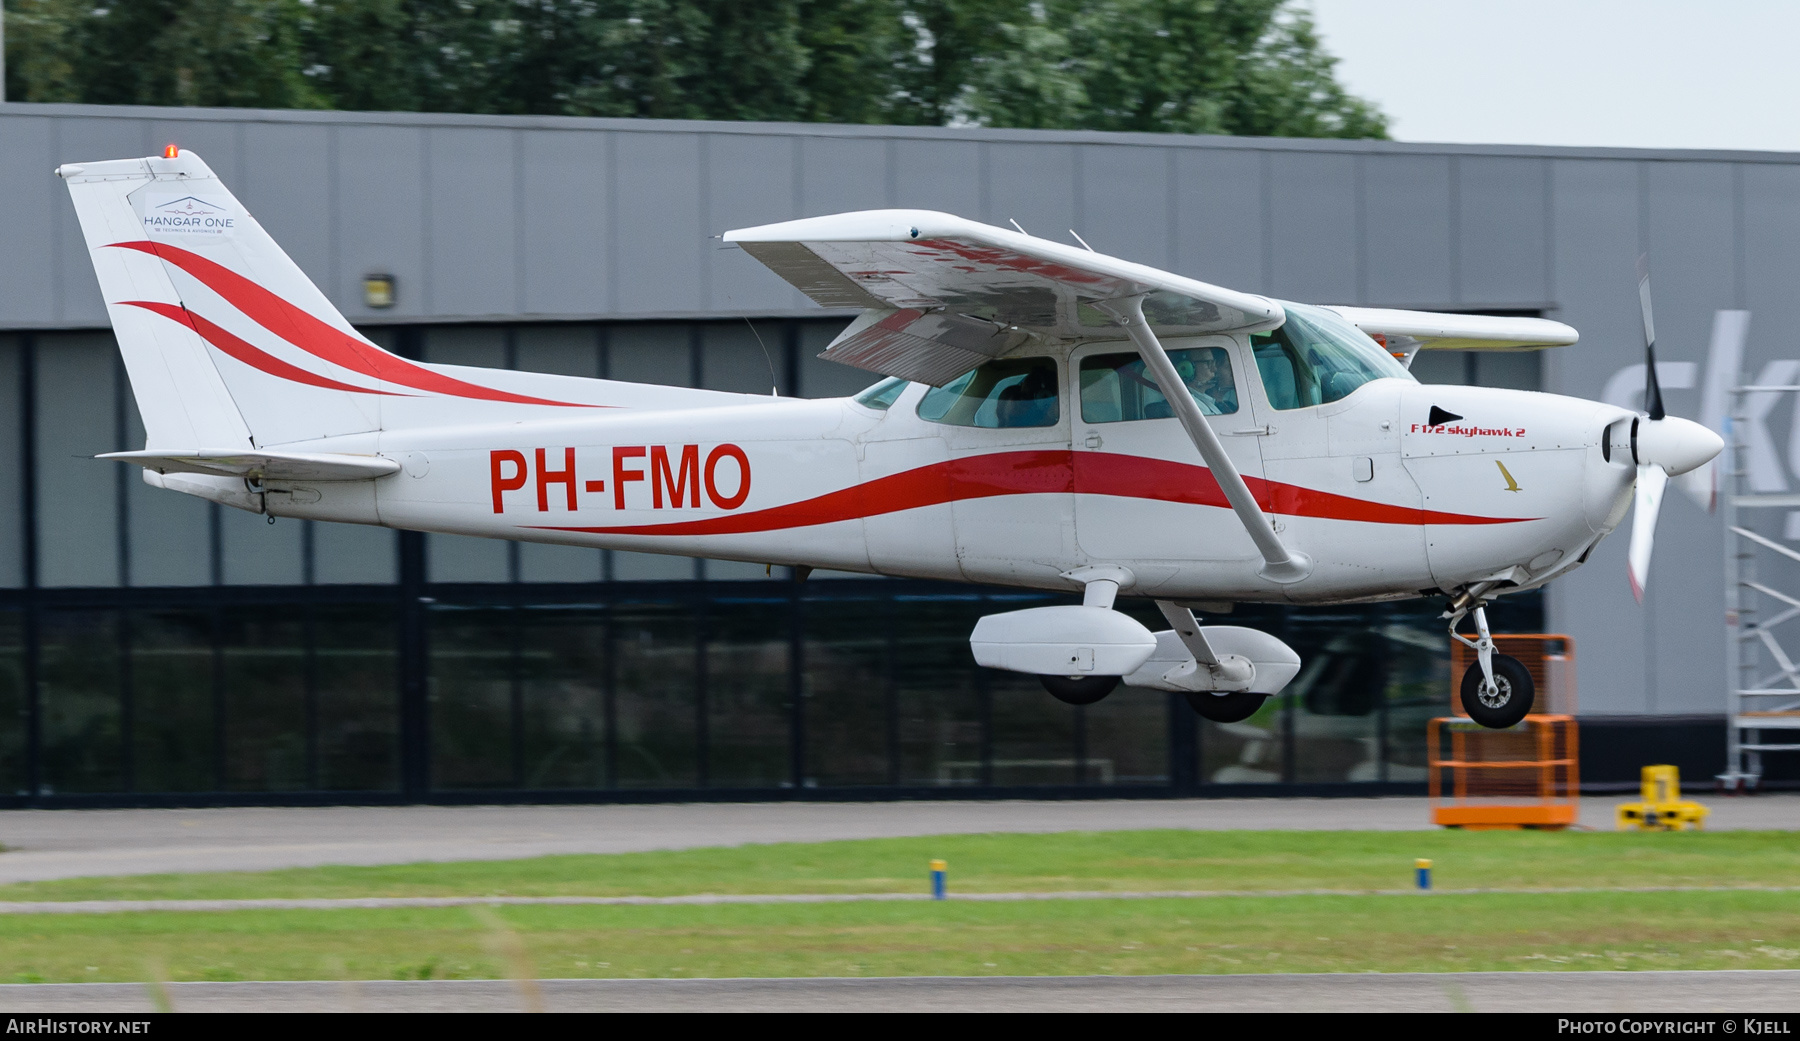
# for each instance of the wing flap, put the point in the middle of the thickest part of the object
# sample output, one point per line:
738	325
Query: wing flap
261	466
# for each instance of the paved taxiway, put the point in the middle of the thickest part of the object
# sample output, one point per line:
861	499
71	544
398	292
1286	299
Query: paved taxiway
46	844
1723	991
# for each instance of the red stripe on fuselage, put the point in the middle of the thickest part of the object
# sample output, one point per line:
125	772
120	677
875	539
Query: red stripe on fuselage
1039	472
244	351
321	339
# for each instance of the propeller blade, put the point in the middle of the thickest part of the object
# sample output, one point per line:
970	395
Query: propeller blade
1653	402
1646	504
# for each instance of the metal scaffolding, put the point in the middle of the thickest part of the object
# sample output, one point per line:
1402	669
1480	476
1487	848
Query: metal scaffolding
1763	704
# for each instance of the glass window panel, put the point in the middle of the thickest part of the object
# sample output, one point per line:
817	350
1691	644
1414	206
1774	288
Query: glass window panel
78	512
562	350
732	357
465	558
12	702
265	667
882	396
172	720
257	553
356	665
847	692
79	685
747	719
354	554
12	517
935	686
169	534
739	571
1034	734
563	667
1013	392
1337	697
655	695
650	353
542	563
1115	388
471	692
1418	673
651	567
826	379
1127	737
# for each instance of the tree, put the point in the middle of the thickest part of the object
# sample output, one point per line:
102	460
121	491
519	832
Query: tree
1251	67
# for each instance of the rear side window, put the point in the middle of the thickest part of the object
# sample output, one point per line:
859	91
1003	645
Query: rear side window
883	395
1013	392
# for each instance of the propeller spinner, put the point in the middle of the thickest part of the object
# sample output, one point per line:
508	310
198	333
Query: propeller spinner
1662	446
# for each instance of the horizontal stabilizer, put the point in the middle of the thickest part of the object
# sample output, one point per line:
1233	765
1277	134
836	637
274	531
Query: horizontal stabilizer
261	466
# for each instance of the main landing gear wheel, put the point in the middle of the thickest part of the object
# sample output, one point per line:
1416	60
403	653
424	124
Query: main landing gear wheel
1226	708
1079	690
1505	706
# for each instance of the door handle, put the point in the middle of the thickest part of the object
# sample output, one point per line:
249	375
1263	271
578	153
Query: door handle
1252	432
1093	441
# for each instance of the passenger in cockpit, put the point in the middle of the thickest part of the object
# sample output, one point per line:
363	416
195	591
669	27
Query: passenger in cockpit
1207	374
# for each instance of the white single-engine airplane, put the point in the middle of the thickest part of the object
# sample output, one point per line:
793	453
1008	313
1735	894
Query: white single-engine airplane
1053	418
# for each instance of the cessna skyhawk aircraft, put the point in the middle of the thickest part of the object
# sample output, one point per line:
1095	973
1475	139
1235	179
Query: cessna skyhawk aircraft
1052	418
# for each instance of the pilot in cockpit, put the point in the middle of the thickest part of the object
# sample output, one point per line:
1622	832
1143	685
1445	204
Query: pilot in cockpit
1207	373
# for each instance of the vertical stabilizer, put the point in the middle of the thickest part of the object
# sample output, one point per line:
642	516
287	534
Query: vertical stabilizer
227	342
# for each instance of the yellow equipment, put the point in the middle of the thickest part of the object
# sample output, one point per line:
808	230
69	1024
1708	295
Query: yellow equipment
1663	808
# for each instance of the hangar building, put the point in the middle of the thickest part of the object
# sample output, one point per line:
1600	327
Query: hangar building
159	649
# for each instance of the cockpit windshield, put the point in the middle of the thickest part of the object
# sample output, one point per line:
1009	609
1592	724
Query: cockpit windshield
1316	356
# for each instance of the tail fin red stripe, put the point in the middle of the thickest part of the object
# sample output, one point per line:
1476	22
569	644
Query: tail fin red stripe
319	338
247	352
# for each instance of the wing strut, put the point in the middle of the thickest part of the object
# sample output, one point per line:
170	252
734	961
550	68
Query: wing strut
1282	565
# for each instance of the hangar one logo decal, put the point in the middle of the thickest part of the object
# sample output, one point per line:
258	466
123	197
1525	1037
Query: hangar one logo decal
188	216
1440	421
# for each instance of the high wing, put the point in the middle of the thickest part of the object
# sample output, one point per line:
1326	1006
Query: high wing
942	295
1405	333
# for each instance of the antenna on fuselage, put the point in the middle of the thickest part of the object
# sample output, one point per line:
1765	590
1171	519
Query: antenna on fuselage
774	385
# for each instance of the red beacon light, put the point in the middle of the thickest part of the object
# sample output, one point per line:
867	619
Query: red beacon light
171	152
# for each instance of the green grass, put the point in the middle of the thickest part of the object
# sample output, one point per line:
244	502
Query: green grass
1218	935
1323	933
1118	861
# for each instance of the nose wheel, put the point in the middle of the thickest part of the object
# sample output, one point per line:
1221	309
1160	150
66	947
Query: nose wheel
1497	690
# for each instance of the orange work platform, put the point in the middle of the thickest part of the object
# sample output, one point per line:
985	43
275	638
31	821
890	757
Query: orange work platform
1525	777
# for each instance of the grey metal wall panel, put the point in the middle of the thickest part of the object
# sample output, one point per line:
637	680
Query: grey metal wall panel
566	207
12	521
168	536
1596	219
661	232
78	505
842	174
1033	184
939	175
1313	233
471	263
1219	217
253	552
380	217
749	181
77	140
1500	225
286	185
1406	220
1125	203
35	204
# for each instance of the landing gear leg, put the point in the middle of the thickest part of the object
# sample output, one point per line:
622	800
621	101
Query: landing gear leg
1497	690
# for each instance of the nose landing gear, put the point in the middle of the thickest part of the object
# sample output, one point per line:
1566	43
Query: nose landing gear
1497	690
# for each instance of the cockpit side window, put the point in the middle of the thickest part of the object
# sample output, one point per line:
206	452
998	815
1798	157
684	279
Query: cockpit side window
1115	388
1317	357
1013	392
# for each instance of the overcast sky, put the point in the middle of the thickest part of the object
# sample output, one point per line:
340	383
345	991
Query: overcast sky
1632	73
